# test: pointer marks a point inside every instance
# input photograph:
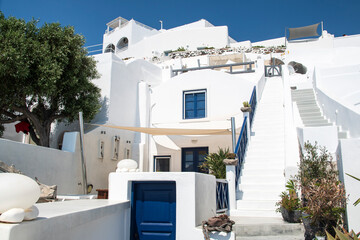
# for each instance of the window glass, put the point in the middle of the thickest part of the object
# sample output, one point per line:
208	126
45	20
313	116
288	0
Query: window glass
194	104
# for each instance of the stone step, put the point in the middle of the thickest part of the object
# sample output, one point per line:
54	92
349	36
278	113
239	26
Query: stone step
277	187
259	179
255	213
342	135
311	113
276	237
257	204
264	195
266	228
320	121
317	124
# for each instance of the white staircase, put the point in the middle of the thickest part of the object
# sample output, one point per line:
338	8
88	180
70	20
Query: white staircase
262	179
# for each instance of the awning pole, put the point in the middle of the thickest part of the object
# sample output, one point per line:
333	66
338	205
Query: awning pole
83	165
233	134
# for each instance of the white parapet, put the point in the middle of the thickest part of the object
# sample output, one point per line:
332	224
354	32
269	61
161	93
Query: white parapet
72	220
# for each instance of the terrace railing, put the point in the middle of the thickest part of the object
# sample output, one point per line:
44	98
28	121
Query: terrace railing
222	195
248	68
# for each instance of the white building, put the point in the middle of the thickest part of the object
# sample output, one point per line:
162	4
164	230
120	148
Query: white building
146	98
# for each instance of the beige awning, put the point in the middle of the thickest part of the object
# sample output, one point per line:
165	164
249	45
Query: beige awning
171	131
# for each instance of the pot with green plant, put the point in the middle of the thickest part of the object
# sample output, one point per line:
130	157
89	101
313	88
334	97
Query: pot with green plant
289	204
214	164
230	159
323	195
246	107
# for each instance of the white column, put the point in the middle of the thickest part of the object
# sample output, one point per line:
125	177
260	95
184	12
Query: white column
246	114
230	178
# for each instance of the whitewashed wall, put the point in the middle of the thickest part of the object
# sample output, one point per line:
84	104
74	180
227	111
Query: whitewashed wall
348	162
171	40
50	166
195	197
347	41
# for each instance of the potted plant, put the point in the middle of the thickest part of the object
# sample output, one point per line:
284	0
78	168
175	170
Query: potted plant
246	107
214	164
230	159
323	195
289	204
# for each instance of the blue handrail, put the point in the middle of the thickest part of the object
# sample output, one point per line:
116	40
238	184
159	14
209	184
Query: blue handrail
241	149
253	103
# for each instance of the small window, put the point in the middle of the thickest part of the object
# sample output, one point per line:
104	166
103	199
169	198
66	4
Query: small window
110	48
162	163
194	104
123	43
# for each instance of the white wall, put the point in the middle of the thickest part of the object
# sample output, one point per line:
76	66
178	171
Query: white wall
50	166
347	41
73	220
348	162
271	42
225	94
171	40
195	197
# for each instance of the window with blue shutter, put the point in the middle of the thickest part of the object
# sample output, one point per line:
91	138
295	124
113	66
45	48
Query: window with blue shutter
194	104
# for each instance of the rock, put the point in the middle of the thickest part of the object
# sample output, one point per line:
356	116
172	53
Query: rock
31	213
17	191
298	67
127	163
14	215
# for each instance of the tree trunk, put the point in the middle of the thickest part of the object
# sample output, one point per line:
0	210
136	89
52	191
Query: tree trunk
41	135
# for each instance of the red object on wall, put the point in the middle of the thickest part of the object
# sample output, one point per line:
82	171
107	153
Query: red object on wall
22	127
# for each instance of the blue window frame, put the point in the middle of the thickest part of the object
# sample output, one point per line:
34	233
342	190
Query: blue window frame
194	104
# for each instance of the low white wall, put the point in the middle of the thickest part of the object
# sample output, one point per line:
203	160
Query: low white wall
50	166
325	136
348	162
347	41
73	220
195	197
348	119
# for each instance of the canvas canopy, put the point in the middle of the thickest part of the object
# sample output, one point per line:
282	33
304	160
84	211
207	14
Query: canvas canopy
171	131
301	32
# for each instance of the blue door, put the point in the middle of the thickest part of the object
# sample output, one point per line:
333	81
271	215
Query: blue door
192	158
153	211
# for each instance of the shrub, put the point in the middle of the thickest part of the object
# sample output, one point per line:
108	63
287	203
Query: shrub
214	163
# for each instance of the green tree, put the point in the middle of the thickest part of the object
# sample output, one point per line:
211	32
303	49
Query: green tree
214	163
45	75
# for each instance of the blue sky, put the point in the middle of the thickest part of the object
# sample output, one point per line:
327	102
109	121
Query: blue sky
246	19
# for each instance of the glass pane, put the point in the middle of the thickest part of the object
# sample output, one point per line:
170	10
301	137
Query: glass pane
189	167
189	156
162	164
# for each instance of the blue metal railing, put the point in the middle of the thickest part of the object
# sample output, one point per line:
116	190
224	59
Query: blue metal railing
253	102
222	195
241	149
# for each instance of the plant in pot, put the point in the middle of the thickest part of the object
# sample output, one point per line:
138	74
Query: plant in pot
230	159
214	163
289	204
246	107
323	195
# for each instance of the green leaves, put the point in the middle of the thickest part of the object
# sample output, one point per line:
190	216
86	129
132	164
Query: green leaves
45	74
357	201
214	163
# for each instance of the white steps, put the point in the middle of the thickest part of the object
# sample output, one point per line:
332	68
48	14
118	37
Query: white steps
262	178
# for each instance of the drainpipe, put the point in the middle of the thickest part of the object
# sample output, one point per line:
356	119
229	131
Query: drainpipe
83	165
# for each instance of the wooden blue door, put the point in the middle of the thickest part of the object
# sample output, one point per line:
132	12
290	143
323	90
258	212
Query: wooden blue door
153	211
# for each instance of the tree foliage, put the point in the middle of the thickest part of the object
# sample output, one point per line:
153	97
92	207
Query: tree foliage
45	75
214	163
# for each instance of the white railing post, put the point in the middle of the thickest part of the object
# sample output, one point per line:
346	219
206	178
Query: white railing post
247	114
230	178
